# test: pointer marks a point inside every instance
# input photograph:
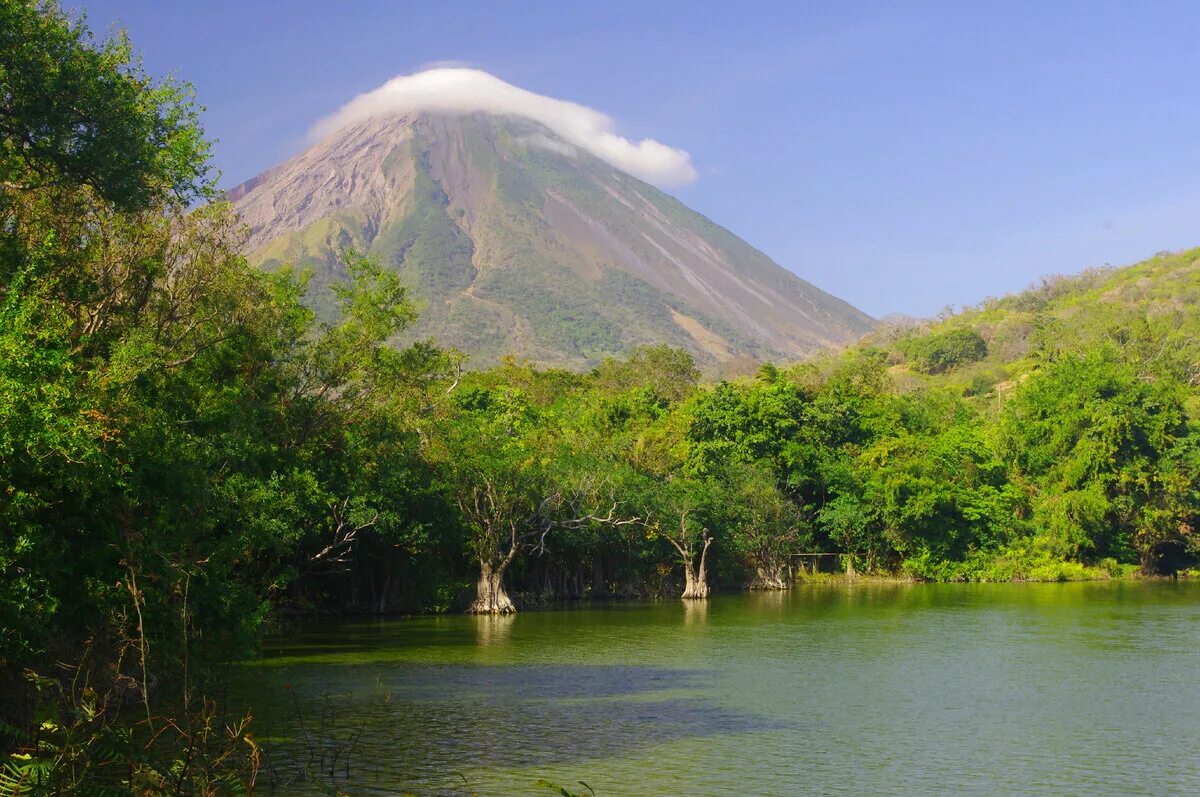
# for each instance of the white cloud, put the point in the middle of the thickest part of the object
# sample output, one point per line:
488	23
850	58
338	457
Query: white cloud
458	90
552	144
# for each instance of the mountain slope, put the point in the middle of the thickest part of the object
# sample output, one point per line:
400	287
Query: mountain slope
518	243
1149	311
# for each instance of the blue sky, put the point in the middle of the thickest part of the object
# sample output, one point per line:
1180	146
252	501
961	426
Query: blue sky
903	156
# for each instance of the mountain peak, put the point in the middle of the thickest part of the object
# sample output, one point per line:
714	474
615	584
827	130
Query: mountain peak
519	241
457	90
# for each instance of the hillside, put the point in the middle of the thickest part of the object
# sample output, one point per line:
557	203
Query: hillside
1150	310
518	243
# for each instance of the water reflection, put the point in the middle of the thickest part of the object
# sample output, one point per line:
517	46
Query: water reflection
858	689
770	602
419	724
695	612
493	629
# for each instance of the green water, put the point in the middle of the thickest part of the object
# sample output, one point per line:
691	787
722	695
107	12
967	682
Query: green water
1088	689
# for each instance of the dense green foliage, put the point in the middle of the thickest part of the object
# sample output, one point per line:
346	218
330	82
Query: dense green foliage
186	450
942	351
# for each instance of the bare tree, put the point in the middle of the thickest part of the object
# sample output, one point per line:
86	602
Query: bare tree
507	517
343	535
686	541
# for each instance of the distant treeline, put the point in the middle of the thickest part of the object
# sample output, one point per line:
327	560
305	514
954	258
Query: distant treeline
186	451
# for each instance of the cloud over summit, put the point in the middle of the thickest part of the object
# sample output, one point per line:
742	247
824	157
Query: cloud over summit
460	90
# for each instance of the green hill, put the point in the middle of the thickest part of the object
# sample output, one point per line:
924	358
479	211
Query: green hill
1046	435
1150	311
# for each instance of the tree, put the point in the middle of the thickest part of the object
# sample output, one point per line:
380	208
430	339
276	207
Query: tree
742	424
95	161
677	510
764	526
851	524
74	113
671	373
936	495
499	505
514	483
1110	458
942	351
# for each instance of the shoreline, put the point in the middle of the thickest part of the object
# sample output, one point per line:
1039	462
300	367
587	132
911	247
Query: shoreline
288	617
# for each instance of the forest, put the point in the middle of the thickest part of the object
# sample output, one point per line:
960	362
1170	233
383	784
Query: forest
188	455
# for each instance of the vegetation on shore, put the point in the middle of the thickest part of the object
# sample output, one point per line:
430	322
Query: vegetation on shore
186	449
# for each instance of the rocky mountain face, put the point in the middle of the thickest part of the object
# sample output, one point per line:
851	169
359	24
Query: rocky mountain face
517	243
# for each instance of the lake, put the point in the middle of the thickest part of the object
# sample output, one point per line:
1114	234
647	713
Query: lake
1087	689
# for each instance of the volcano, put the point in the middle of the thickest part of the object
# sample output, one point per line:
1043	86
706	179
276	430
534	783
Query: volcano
517	242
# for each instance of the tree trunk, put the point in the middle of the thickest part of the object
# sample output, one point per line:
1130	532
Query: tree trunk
695	576
695	583
769	576
1148	561
599	587
383	593
490	597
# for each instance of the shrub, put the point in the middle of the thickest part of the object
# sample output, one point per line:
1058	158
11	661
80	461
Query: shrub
943	351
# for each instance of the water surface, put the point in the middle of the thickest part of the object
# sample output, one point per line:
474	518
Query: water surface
1074	689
